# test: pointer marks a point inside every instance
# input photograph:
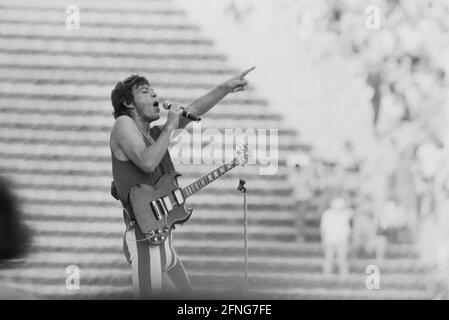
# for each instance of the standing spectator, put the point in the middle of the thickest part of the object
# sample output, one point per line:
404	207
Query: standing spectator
366	237
429	158
303	180
301	176
393	220
335	233
351	167
403	186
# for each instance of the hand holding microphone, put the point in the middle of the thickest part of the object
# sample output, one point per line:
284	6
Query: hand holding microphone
173	116
186	114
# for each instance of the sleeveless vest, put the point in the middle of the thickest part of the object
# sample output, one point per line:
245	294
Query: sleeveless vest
126	174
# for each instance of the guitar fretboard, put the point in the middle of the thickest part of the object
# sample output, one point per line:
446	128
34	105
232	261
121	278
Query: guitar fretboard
208	178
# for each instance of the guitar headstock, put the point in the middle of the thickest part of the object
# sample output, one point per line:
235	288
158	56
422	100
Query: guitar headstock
242	154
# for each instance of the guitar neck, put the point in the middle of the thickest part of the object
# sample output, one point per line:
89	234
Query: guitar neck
209	177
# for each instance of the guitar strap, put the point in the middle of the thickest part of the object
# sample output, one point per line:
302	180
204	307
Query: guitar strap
128	218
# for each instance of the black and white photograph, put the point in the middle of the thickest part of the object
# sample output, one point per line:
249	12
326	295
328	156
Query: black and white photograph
239	150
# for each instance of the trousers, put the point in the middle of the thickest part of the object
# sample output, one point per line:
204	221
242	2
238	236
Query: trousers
156	270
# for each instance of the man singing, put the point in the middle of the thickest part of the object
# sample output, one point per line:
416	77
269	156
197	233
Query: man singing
140	156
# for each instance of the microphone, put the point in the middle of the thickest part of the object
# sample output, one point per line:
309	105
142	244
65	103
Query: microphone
186	114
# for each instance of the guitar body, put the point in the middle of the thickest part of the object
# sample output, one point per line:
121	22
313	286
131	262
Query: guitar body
157	209
156	224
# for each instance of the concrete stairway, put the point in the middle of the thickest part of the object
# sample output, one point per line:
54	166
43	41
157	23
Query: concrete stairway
54	129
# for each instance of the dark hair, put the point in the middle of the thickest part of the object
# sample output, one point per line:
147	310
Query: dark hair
123	93
15	236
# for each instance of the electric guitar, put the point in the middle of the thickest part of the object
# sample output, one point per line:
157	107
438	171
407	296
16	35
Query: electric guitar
156	209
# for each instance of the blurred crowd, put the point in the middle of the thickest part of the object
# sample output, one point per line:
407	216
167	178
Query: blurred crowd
398	193
397	189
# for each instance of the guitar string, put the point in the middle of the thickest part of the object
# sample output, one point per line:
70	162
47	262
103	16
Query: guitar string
128	227
172	198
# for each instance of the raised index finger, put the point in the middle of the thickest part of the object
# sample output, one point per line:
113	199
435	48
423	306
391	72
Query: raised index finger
244	73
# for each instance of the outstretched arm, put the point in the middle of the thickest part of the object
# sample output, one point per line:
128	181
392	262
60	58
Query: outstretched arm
200	106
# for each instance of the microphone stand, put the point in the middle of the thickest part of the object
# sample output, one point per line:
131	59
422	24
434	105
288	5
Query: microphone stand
242	189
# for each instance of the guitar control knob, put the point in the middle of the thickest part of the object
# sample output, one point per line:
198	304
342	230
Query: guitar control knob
162	238
165	229
156	238
158	231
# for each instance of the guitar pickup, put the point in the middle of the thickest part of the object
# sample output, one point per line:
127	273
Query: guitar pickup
162	204
168	203
178	196
156	210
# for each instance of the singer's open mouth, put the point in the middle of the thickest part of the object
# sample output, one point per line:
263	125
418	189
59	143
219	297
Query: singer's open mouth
156	104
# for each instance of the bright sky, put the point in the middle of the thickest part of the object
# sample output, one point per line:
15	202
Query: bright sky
314	93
